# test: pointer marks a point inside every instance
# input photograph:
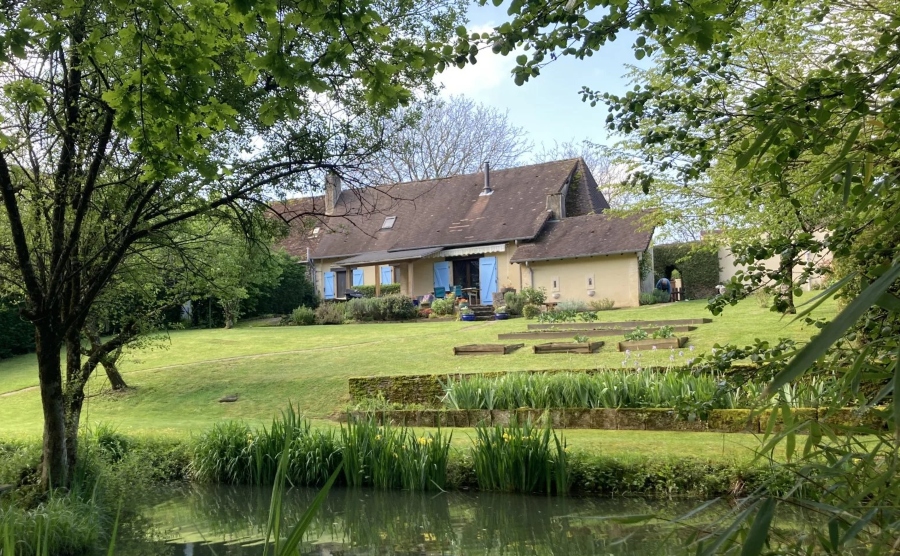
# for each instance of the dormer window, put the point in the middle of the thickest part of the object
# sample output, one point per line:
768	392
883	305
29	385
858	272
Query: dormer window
315	232
388	222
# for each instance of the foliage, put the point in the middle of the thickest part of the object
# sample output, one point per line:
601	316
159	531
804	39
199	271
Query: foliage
392	307
330	313
534	296
676	274
443	307
292	289
16	335
604	304
572	305
515	302
303	316
654	297
61	525
502	310
664	332
520	458
387	457
637	334
697	263
368	290
581	339
425	312
689	393
530	311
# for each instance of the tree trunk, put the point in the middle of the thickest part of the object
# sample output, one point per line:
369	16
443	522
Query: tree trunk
74	399
113	374
54	463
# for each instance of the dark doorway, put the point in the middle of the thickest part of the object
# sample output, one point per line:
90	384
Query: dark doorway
465	273
340	277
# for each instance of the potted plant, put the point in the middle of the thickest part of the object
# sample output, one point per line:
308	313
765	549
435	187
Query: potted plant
501	313
466	314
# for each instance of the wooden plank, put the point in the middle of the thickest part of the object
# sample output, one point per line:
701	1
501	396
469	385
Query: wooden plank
594	333
481	349
568	347
647	345
620	324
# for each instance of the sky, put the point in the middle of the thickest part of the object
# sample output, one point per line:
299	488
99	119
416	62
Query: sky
549	107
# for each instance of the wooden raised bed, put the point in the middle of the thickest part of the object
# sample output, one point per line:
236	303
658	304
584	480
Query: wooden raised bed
646	345
621	324
568	347
482	349
592	333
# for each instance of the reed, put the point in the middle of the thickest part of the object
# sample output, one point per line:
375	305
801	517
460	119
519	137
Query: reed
520	458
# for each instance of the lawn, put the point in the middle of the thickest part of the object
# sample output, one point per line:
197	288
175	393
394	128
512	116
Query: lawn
177	385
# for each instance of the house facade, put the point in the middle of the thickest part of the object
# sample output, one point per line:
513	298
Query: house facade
539	226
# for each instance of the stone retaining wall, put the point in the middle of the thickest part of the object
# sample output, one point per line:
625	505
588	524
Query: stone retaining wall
720	420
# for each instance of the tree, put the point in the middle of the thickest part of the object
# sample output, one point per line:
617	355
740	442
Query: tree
439	138
609	171
818	145
123	122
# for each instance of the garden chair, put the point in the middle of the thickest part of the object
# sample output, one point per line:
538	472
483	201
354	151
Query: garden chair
440	293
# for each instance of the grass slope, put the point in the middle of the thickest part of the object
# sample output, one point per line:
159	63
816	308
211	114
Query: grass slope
177	388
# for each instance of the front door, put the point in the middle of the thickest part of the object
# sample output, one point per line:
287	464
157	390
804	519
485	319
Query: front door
341	277
487	270
465	273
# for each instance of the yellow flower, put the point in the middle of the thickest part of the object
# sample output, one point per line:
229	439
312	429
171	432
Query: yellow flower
424	441
377	437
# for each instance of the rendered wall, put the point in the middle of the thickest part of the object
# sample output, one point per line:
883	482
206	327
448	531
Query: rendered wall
615	277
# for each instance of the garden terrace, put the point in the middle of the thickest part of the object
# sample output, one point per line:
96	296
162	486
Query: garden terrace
677	323
595	332
483	349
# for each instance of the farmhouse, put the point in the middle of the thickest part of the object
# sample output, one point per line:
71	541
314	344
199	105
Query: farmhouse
539	226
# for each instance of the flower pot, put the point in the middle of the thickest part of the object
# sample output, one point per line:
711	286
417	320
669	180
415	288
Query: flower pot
501	316
468	318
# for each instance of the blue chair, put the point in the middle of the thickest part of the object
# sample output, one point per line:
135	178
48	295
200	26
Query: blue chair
457	291
440	293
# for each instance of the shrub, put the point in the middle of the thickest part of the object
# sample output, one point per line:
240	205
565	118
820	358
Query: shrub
698	265
520	459
398	307
602	304
530	311
363	309
330	313
426	312
302	316
661	296
534	296
386	289
514	302
763	299
637	334
572	305
664	332
16	335
442	307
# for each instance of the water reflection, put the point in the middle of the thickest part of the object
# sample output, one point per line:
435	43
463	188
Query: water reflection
204	521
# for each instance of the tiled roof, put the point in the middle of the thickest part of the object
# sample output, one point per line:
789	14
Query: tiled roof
585	236
301	217
451	212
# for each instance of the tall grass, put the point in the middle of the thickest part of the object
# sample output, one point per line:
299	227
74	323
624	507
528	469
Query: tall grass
615	389
233	453
520	458
390	458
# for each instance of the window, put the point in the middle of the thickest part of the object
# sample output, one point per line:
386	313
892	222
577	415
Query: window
388	222
315	232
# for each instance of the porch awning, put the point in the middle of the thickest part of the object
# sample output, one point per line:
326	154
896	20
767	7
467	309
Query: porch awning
379	257
475	250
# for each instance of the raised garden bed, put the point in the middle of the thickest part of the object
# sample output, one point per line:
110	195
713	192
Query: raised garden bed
568	347
481	349
649	343
621	325
590	332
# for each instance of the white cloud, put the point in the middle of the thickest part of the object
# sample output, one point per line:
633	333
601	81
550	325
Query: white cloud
474	81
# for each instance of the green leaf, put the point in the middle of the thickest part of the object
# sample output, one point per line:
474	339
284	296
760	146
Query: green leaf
834	330
296	535
759	530
521	59
757	147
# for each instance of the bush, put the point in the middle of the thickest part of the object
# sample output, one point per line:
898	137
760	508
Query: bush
698	266
530	311
534	296
656	296
602	304
398	307
514	302
386	289
302	316
425	312
16	335
572	306
330	313
520	459
292	289
389	307
364	309
443	307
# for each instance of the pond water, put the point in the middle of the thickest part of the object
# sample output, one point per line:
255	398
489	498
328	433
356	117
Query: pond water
197	520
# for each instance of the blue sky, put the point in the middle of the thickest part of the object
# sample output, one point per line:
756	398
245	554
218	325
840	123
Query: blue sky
549	108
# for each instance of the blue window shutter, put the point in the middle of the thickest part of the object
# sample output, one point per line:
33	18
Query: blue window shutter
358	277
487	277
329	283
387	275
442	275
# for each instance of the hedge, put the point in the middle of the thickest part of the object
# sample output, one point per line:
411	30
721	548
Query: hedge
16	335
386	289
699	267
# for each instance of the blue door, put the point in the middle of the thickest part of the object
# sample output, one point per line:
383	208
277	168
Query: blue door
442	275
358	277
487	274
387	275
329	283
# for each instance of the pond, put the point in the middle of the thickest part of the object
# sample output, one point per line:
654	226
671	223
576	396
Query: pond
200	521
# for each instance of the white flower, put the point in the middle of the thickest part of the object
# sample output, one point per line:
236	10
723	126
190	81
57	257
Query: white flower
691	348
680	354
627	352
654	348
671	358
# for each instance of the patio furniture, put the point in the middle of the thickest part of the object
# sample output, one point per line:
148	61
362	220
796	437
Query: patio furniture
471	293
440	293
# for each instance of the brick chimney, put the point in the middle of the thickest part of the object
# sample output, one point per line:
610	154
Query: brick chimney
332	191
